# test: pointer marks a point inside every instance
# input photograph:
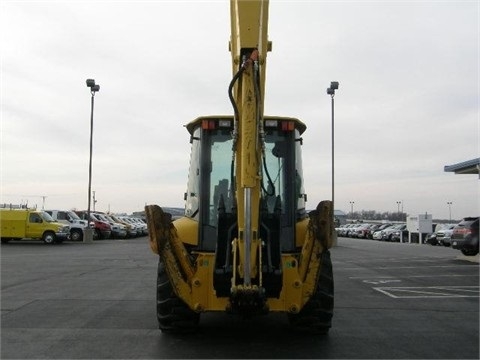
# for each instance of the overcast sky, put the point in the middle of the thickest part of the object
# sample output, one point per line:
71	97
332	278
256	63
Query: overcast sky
408	102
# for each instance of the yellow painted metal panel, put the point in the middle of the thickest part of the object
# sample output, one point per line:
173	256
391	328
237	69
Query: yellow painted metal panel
187	230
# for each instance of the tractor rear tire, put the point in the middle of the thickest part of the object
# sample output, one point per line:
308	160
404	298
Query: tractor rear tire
173	314
316	315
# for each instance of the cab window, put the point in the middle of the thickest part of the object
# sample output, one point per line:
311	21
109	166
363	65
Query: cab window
34	218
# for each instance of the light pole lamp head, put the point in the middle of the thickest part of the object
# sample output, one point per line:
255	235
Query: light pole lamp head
332	88
93	87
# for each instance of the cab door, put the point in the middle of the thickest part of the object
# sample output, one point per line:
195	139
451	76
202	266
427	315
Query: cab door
35	226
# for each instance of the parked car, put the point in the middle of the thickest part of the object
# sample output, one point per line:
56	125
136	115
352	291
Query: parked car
400	234
388	232
465	236
76	224
123	232
131	229
18	224
377	235
444	236
136	226
352	230
343	230
431	238
362	231
118	230
103	229
142	224
369	232
441	235
338	229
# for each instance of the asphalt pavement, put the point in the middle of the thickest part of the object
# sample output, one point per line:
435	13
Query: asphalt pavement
97	301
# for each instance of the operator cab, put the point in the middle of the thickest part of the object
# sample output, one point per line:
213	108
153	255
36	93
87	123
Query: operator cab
210	192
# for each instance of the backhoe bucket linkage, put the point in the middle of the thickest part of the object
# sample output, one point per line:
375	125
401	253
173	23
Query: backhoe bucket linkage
172	252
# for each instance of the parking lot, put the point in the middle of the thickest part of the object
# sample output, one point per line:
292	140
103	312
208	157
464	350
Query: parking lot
80	301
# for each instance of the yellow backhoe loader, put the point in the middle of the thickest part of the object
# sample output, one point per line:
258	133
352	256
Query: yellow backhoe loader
246	244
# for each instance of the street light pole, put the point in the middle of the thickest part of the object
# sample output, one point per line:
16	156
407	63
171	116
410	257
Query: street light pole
94	200
88	234
331	92
449	203
351	208
398	208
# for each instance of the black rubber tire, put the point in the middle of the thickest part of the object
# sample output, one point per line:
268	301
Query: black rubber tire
469	252
76	235
49	237
316	315
172	313
5	241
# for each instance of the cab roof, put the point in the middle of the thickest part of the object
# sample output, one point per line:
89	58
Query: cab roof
299	125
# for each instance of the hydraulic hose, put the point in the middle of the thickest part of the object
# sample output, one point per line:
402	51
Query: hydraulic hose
253	58
230	94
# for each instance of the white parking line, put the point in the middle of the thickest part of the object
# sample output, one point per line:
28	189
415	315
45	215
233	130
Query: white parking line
381	281
441	275
404	267
412	276
422	292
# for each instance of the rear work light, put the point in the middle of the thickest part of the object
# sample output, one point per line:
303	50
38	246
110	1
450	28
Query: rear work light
288	126
282	125
271	123
225	123
208	124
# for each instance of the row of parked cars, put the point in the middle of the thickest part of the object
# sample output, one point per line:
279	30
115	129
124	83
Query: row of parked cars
105	226
56	226
383	232
463	236
442	235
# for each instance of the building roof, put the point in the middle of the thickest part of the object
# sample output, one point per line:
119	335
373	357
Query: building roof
465	167
338	213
